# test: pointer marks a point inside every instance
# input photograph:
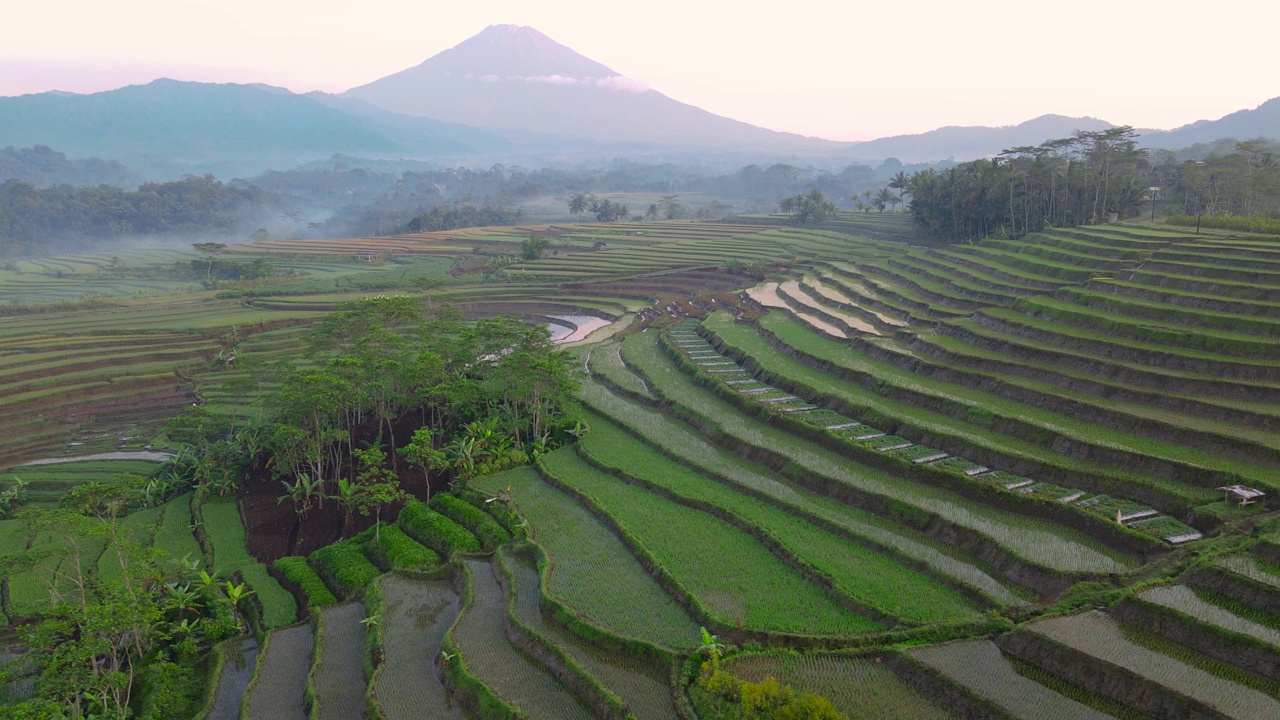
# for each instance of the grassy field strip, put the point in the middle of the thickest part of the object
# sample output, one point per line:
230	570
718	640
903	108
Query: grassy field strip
488	654
867	576
47	483
643	690
1114	347
1184	600
280	688
1096	634
138	528
1016	341
939	427
797	336
1054	546
238	657
1183	298
221	524
992	267
1133	308
1187	409
606	360
337	675
415	616
50	580
1167	331
974	277
666	434
1249	567
945	283
806	342
591	569
861	688
980	666
727	570
174	536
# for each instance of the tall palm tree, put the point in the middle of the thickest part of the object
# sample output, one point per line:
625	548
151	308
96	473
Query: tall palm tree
900	182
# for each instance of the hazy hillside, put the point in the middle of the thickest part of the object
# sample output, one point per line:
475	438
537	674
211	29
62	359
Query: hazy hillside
42	166
968	143
1262	121
227	129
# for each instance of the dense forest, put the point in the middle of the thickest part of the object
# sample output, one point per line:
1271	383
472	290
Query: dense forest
36	221
43	167
1088	178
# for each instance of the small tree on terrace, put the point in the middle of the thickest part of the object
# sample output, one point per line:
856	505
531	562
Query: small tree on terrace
421	451
209	250
376	487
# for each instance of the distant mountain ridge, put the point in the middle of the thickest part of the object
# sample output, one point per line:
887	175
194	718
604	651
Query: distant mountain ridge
517	78
508	94
1262	121
968	143
223	127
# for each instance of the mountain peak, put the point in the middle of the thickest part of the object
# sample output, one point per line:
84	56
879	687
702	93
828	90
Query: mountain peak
515	78
502	52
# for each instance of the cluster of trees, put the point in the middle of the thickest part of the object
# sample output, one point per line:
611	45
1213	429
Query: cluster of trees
32	219
808	209
604	210
463	215
1245	181
1069	181
482	396
126	626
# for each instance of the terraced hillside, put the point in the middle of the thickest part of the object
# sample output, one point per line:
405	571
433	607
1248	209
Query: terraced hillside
967	481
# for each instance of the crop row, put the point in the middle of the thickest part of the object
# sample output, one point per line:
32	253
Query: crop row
728	574
866	575
1050	545
815	385
681	442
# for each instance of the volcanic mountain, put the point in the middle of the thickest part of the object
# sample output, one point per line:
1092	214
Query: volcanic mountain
516	78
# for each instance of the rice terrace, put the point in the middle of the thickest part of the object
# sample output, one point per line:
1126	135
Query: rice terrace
507	387
824	465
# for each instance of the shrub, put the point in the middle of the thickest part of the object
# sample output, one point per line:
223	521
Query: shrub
500	510
305	577
436	531
344	566
485	528
397	551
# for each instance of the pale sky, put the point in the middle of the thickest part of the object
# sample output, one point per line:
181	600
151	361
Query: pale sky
841	70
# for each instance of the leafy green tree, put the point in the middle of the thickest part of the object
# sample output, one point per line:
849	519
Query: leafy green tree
811	208
532	248
210	251
421	451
